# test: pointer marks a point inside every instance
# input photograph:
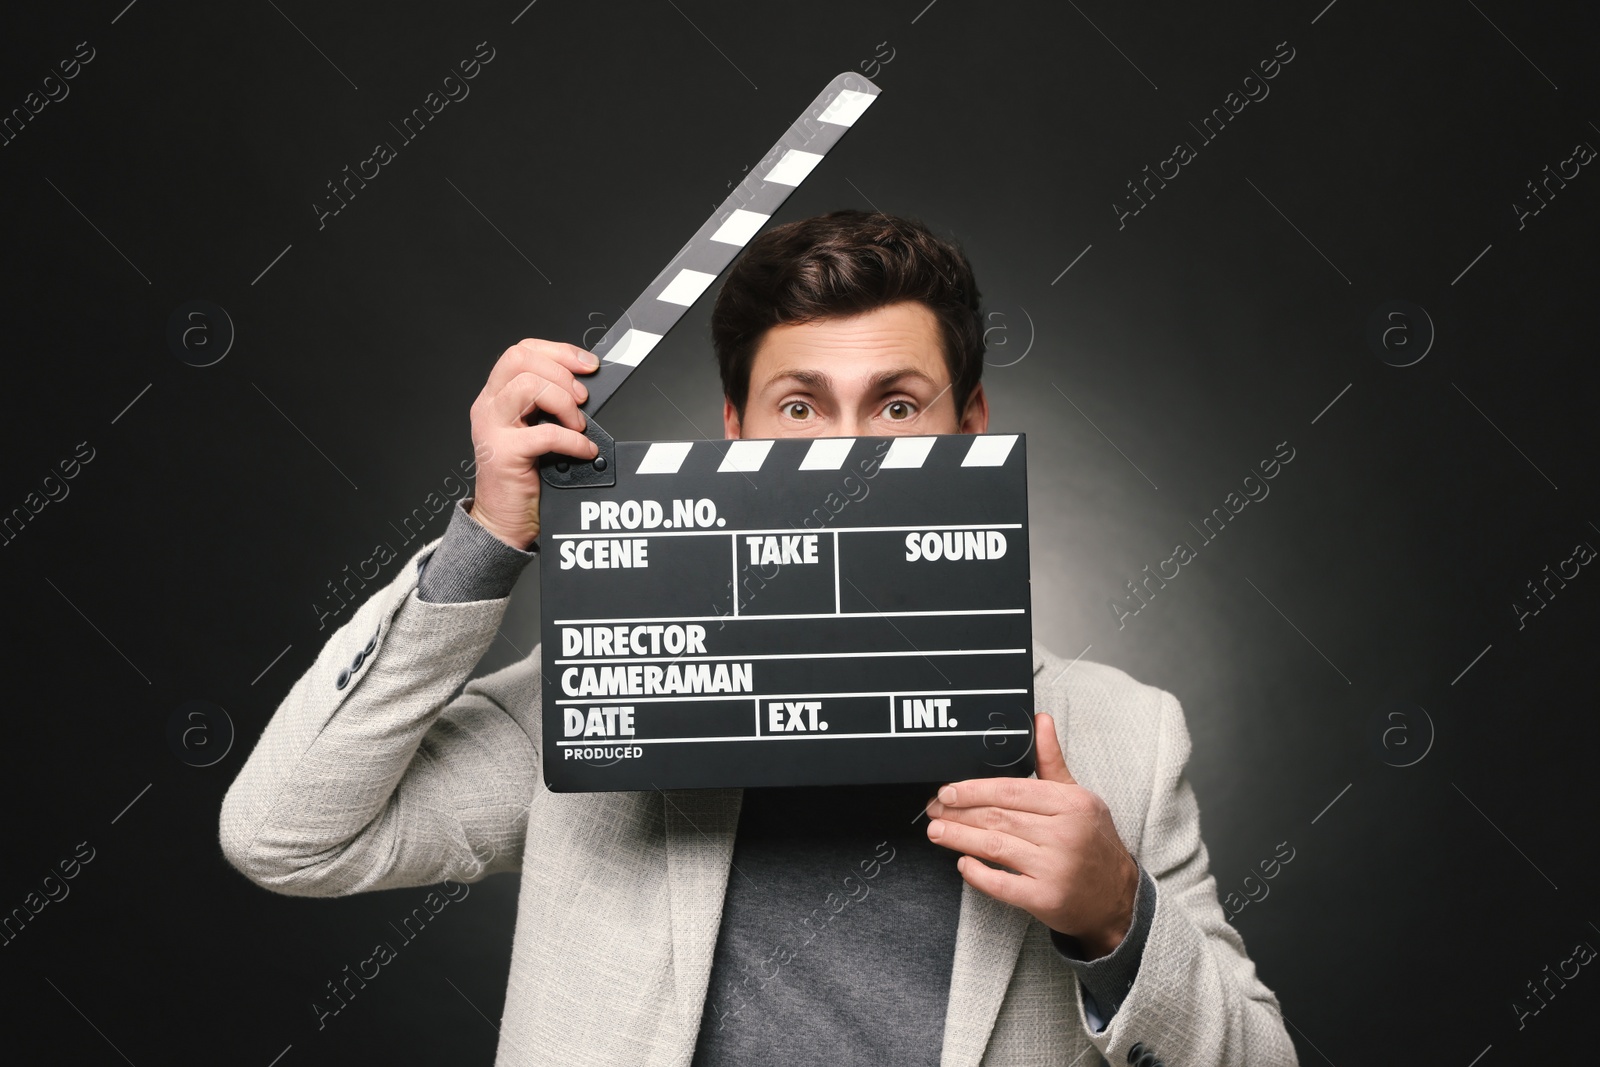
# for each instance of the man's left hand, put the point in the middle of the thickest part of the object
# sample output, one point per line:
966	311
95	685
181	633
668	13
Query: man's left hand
1073	872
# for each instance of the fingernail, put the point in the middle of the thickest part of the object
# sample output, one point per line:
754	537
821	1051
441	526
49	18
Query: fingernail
948	794
580	391
935	829
590	359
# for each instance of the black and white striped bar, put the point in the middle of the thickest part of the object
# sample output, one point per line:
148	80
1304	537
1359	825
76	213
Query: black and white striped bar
789	612
720	238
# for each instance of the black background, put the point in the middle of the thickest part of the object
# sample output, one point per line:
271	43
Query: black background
1151	377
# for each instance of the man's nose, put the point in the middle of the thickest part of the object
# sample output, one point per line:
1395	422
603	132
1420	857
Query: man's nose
859	426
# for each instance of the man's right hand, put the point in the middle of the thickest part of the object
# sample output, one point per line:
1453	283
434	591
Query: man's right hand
531	375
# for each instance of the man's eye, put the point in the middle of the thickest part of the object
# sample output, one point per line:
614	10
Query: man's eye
897	410
797	409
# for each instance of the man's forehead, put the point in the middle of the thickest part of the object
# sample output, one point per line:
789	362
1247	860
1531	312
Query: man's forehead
894	343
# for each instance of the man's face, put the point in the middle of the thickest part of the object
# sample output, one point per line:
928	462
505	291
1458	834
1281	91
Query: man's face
878	373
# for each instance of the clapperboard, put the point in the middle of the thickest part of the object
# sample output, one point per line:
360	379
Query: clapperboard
801	611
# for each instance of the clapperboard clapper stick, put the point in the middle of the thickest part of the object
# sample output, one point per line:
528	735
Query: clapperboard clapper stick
803	611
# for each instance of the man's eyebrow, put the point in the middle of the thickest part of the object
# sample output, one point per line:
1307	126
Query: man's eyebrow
813	379
884	379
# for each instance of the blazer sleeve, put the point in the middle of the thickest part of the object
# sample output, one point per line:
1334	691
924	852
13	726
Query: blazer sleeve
370	776
1196	999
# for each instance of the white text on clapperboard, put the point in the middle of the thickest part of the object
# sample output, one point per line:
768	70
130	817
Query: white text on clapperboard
655	639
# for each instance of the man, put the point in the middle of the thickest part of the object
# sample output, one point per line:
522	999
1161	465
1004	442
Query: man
1025	921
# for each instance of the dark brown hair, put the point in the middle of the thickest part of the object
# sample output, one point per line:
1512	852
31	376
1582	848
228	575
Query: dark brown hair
841	264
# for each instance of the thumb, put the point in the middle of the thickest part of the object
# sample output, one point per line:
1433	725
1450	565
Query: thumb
1051	764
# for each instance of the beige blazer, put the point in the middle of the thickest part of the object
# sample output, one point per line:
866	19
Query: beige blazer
386	781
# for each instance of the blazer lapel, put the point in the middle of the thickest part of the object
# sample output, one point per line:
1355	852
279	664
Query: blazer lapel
701	824
988	940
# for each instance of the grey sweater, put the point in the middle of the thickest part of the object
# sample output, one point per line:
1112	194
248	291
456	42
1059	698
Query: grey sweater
840	915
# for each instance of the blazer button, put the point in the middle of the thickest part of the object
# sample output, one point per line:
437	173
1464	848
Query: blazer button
1148	1059
372	643
343	679
1136	1051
